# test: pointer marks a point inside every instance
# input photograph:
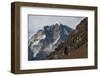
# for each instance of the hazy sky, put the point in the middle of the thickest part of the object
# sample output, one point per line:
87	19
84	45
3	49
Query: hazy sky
37	22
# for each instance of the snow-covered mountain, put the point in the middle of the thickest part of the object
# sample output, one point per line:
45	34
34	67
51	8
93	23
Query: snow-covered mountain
46	40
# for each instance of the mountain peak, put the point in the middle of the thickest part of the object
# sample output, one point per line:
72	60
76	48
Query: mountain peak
48	38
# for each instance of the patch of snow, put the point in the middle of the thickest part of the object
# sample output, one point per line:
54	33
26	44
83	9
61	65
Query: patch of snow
51	47
36	42
41	37
35	47
56	41
35	50
35	53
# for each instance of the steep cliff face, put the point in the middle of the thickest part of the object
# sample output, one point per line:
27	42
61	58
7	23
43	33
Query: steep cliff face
46	40
75	46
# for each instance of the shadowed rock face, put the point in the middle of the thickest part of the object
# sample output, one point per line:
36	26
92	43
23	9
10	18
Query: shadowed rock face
78	38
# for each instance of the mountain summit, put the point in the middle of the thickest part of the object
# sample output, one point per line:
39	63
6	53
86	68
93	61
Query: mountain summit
44	42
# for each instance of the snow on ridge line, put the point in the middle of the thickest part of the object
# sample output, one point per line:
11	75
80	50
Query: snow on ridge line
56	41
40	38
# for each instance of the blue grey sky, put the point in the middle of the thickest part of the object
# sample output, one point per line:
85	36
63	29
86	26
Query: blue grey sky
37	22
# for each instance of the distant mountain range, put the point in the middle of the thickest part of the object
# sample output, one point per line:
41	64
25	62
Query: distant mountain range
46	40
